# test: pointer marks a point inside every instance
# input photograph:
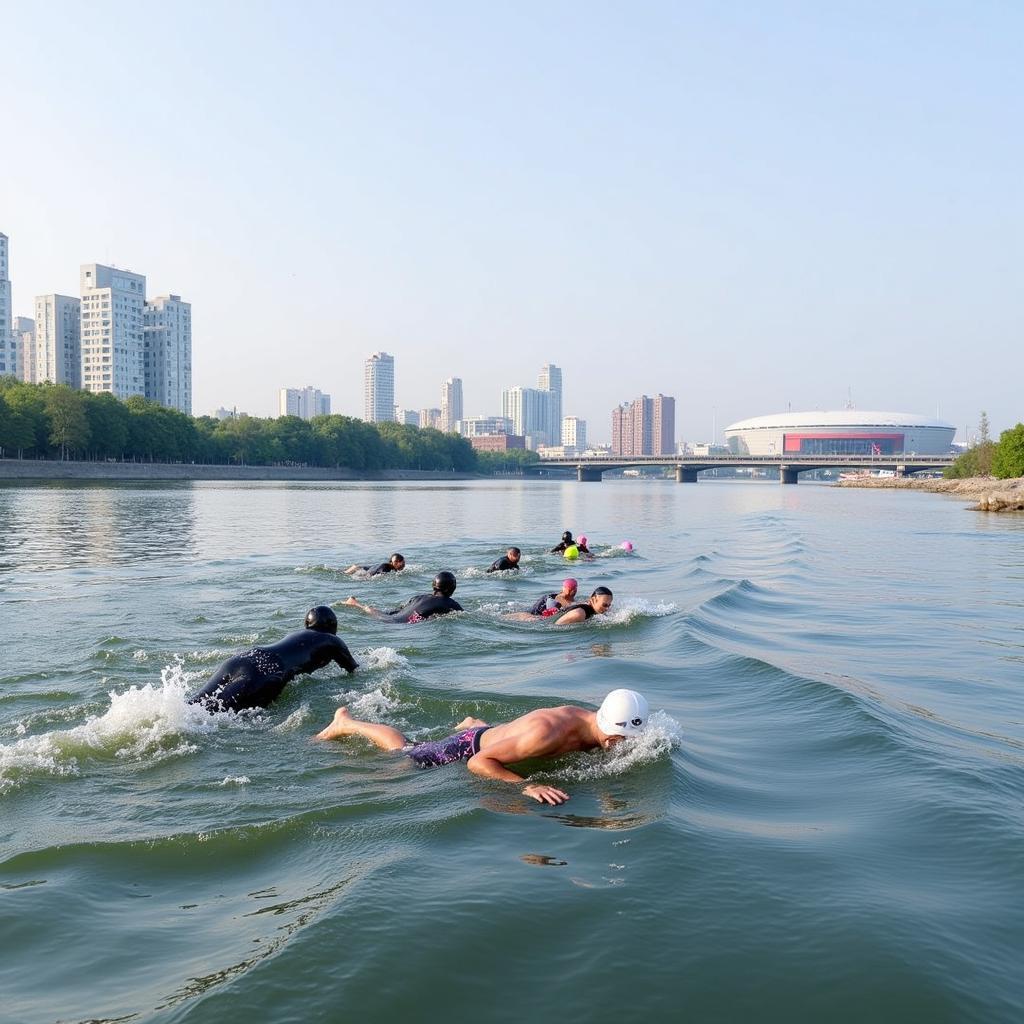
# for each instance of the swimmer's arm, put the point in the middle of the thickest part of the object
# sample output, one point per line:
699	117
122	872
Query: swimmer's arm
538	741
570	618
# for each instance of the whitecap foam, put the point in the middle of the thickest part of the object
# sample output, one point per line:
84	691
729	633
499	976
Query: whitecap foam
295	721
636	607
153	722
234	780
382	658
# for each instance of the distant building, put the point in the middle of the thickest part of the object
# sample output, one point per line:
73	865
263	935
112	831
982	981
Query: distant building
58	347
225	414
482	426
574	432
303	402
430	418
845	432
113	326
451	404
8	353
645	426
497	442
23	338
529	410
550	381
379	388
167	352
409	417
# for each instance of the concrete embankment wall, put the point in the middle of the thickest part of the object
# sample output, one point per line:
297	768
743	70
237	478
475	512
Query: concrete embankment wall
41	469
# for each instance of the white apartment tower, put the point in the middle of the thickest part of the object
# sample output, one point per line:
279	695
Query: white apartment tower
451	404
379	388
58	348
574	432
8	353
113	327
303	402
529	411
550	380
23	338
167	352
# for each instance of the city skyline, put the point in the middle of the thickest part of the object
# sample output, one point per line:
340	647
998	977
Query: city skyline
786	209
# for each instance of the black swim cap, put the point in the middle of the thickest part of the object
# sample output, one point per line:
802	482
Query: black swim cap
567	536
444	582
400	557
322	619
601	592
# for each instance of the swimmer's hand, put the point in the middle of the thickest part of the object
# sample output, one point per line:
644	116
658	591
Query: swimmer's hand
546	794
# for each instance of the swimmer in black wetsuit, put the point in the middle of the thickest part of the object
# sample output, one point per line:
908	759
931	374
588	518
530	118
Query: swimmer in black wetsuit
396	563
257	677
420	607
565	542
509	560
552	604
600	601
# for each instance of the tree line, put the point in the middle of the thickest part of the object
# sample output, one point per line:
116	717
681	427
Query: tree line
54	421
1003	459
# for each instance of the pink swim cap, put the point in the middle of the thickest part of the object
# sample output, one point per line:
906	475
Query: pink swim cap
583	540
570	584
627	545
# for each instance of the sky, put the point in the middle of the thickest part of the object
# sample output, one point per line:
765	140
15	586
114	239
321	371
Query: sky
749	206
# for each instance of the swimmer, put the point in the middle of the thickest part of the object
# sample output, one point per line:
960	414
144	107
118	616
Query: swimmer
257	677
489	749
509	560
581	546
552	604
396	563
598	603
564	543
420	607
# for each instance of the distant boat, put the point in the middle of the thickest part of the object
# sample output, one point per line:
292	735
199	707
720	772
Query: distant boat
867	474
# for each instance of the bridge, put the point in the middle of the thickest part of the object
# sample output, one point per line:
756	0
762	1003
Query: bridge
687	467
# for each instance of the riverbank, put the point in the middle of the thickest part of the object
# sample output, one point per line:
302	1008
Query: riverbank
991	495
44	469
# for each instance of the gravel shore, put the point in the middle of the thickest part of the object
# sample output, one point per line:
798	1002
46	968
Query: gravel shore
991	495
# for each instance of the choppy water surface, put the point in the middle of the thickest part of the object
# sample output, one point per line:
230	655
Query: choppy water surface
826	821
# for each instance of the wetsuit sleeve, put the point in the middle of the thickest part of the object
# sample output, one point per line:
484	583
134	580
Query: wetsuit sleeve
494	566
557	549
379	570
343	656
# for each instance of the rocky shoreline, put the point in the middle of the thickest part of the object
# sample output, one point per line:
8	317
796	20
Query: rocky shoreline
991	495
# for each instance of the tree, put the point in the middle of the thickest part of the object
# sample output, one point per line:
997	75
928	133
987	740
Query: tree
108	426
69	427
1008	458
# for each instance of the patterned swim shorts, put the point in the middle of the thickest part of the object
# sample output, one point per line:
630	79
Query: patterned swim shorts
460	747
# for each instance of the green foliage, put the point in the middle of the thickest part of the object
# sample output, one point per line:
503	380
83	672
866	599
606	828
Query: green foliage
512	460
44	420
976	461
1008	458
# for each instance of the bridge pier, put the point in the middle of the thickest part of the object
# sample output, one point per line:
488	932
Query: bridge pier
787	475
586	475
685	475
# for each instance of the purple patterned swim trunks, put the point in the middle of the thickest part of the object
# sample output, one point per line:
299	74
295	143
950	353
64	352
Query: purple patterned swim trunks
460	747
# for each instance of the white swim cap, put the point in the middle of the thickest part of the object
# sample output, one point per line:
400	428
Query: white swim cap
623	713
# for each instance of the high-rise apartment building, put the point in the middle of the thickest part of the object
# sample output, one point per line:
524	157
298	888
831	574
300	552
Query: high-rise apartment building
167	352
407	417
23	339
379	388
645	426
529	411
451	404
550	380
113	329
574	432
303	402
8	354
484	426
58	348
430	418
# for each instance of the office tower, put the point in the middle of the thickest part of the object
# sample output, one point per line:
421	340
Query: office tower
379	388
167	352
529	411
8	354
550	380
484	426
430	418
663	425
451	404
23	339
113	326
303	402
574	432
407	417
622	430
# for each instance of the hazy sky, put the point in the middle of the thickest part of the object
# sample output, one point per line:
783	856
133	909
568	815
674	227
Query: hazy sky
749	206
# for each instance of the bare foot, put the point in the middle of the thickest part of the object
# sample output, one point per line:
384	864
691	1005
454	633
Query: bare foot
470	723
341	725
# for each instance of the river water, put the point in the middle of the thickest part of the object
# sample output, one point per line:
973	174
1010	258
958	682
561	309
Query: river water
825	821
